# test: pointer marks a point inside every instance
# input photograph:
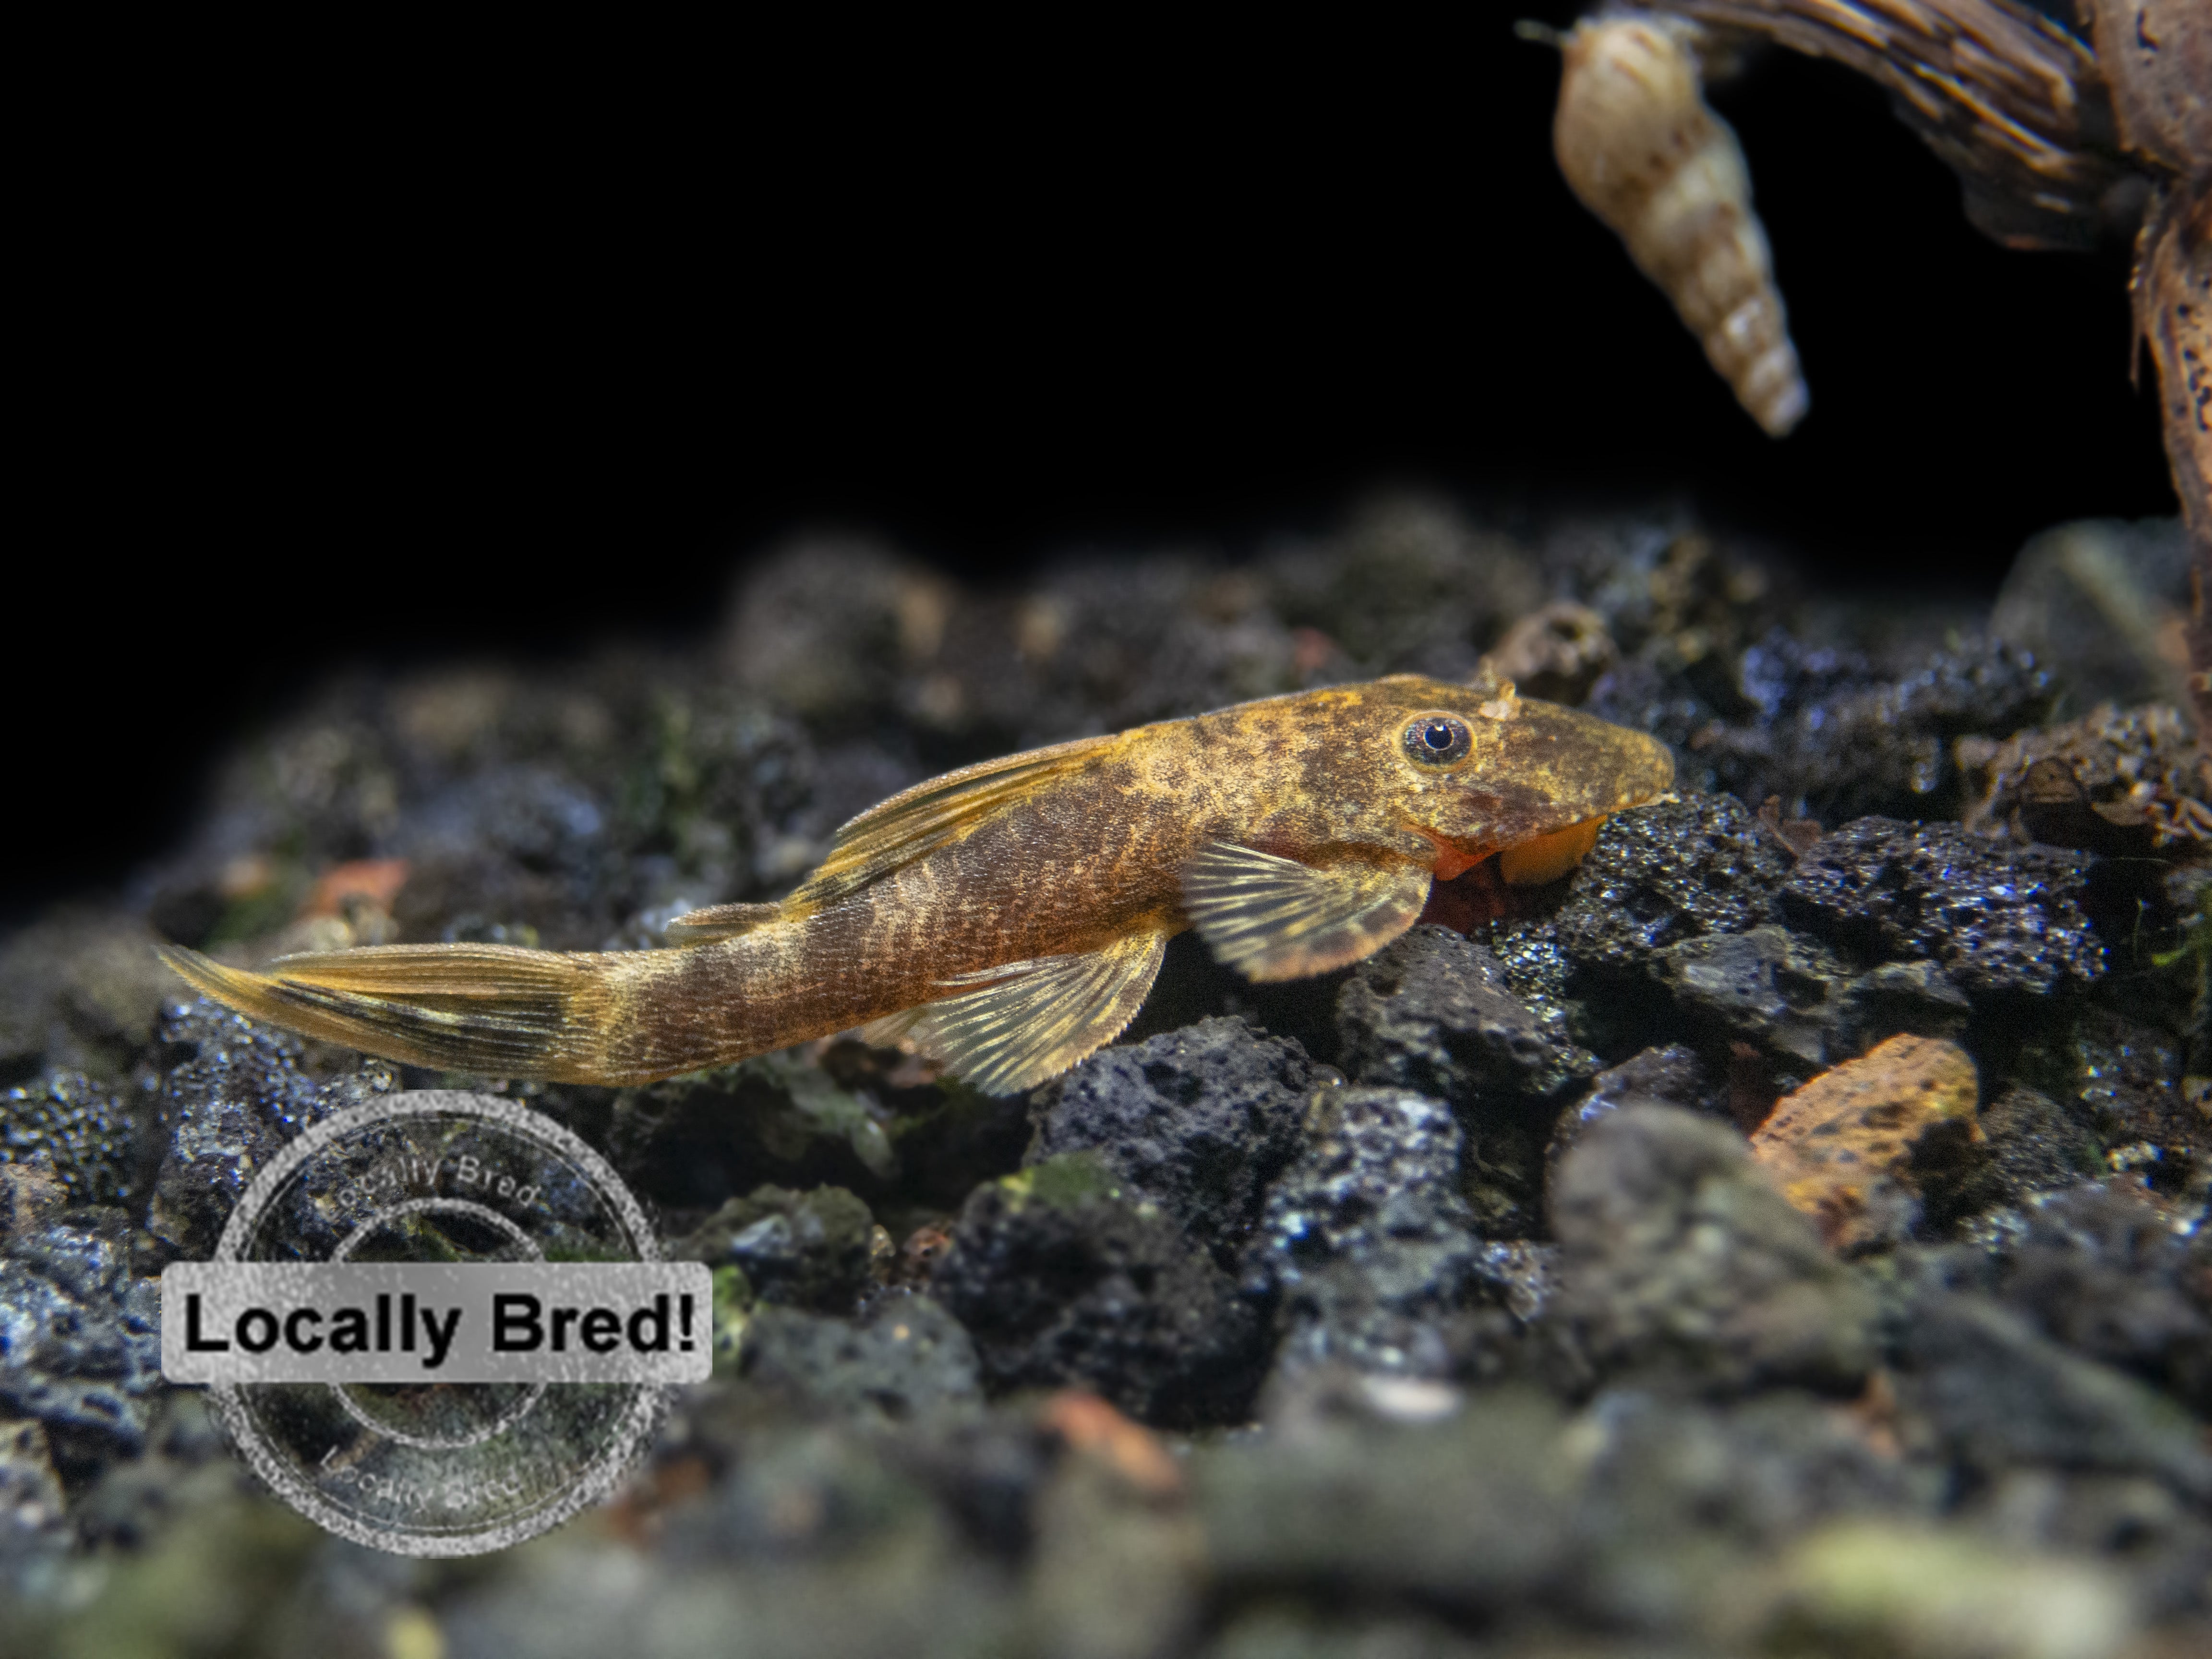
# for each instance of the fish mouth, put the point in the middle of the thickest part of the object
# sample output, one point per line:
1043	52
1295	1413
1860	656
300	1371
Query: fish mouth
1545	857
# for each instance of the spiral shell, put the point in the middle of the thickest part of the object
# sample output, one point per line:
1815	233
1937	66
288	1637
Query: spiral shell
1644	152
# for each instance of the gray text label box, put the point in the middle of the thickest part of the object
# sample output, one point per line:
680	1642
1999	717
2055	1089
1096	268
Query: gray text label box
434	1322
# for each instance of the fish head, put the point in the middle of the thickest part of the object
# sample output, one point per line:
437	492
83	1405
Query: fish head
1478	769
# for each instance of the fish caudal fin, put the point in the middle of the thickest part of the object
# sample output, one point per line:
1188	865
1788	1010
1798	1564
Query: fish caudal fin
495	1010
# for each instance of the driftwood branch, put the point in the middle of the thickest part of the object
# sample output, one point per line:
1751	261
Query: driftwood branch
2158	60
2012	102
2059	140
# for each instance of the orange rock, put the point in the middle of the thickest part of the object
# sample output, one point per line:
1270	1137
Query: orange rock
374	882
639	1508
1310	650
1092	1428
924	1249
1850	1147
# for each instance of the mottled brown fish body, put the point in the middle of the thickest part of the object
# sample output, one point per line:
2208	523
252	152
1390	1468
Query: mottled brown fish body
1008	918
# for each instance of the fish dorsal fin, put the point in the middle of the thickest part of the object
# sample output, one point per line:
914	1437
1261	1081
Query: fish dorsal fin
914	824
1274	918
720	921
1027	1021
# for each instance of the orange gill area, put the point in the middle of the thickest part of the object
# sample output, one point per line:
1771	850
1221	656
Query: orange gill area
1470	899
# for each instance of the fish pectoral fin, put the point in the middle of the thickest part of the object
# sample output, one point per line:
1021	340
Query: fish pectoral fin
916	822
1027	1021
720	921
1274	918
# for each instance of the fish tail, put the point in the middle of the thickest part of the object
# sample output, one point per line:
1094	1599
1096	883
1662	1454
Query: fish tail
495	1010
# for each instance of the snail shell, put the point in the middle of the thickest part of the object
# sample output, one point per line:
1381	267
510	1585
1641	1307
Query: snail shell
1644	152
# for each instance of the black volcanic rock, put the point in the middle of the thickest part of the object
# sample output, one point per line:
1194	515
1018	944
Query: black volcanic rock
2000	919
1679	1263
1062	1281
1197	1121
1369	1249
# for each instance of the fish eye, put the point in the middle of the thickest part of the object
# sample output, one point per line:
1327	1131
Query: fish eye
1437	740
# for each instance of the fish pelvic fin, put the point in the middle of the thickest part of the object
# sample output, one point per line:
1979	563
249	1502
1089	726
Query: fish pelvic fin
1006	1028
495	1010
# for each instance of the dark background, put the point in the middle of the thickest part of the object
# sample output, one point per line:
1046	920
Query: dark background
383	377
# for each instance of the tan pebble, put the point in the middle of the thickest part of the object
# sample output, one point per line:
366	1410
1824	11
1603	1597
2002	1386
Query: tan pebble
1555	654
